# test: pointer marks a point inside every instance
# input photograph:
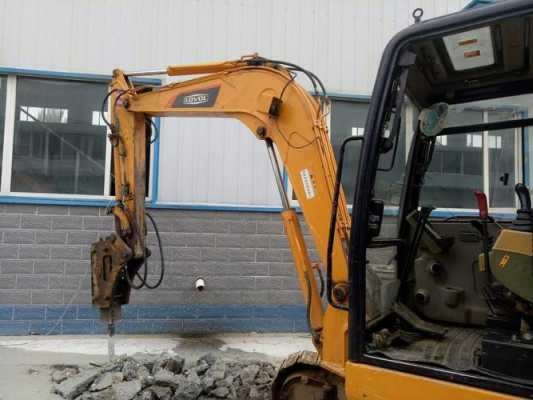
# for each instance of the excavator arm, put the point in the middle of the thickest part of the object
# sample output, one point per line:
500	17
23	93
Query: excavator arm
264	96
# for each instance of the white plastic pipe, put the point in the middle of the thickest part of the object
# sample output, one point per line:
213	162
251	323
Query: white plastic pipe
199	284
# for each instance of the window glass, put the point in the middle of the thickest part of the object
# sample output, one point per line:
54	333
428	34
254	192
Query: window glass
456	169
3	84
348	119
513	107
389	178
59	142
501	162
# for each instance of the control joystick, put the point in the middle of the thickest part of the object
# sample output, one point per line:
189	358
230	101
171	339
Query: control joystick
524	215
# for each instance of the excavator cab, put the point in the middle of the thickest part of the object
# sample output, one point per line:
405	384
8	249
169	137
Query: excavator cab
449	120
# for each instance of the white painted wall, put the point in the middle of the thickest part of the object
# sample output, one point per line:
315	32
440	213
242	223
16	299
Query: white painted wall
212	161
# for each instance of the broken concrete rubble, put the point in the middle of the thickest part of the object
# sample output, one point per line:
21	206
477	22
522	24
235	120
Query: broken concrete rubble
106	380
77	384
62	372
127	390
167	377
172	364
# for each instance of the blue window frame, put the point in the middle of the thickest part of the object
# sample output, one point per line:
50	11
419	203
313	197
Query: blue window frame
56	140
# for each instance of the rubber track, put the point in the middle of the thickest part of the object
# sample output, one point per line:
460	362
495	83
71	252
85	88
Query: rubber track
310	358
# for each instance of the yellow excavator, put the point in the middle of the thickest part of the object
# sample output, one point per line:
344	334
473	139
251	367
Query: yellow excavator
450	315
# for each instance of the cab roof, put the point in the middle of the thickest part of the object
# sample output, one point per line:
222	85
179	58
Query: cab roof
504	28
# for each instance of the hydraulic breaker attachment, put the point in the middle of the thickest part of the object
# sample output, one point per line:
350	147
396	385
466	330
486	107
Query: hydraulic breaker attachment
109	284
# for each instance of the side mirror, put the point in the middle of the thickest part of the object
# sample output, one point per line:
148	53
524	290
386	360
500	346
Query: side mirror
375	218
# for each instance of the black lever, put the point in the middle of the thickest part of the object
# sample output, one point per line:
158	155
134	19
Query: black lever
504	179
523	196
524	215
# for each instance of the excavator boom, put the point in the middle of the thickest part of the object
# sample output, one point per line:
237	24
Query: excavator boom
265	97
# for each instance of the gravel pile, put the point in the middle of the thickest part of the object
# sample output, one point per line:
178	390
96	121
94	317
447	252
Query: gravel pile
165	377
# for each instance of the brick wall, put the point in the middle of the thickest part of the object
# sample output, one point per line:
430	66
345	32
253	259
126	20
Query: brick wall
244	258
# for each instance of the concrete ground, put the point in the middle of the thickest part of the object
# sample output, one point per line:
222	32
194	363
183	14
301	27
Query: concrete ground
25	360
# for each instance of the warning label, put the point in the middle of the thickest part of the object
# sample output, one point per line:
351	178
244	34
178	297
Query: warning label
307	182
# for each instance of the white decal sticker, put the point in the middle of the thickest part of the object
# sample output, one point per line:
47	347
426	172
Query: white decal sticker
308	184
196	98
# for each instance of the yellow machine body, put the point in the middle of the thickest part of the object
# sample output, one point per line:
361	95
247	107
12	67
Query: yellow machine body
365	382
511	262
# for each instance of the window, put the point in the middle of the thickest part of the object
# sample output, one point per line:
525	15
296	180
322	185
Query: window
55	138
57	147
97	118
503	151
489	161
461	164
455	172
495	142
358	131
474	140
348	118
442	140
456	169
391	173
43	114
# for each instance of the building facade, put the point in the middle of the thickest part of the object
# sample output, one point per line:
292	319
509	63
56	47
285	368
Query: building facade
211	189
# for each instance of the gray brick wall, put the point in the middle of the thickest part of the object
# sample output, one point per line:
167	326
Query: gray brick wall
44	256
243	256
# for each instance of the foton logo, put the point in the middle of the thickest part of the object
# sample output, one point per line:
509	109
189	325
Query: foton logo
205	97
196	98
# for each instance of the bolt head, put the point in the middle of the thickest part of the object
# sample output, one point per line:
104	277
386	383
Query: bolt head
340	292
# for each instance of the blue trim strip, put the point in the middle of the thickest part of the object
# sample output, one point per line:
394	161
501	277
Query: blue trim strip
449	214
70	75
54	201
162	318
358	98
207	207
393	212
